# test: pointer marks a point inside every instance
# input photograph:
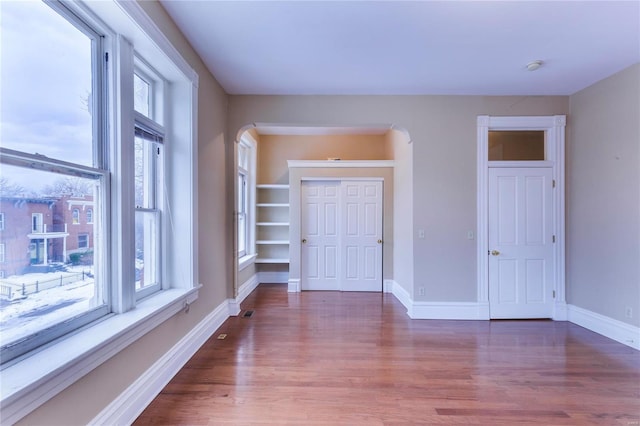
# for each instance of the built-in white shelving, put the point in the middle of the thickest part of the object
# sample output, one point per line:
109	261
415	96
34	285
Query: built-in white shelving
273	223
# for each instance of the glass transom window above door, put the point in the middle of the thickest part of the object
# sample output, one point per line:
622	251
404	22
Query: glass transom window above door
517	145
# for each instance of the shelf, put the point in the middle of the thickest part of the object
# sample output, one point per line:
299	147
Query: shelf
271	186
272	233
272	205
269	260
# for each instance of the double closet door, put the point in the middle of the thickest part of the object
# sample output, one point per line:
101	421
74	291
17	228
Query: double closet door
341	231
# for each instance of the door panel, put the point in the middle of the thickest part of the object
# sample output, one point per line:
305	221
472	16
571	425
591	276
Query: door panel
520	243
320	232
362	262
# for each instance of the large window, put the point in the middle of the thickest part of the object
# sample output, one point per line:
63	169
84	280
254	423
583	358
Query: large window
52	137
97	114
87	133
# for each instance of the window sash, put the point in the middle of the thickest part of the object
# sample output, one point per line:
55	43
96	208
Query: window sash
51	332
148	213
243	225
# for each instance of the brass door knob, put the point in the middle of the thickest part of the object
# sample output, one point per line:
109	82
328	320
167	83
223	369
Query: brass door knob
495	252
379	241
304	240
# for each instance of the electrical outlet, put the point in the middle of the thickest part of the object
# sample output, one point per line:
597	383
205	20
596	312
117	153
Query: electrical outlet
420	233
628	312
420	291
470	235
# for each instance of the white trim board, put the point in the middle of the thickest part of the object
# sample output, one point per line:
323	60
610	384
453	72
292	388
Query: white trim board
340	163
131	403
244	290
608	327
273	277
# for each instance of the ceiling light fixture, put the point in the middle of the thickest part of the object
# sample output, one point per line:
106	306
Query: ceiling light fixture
532	66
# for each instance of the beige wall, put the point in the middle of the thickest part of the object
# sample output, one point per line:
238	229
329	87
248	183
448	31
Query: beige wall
443	135
83	400
603	197
402	244
275	150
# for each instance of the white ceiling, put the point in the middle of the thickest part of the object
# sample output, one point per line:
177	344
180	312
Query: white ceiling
419	47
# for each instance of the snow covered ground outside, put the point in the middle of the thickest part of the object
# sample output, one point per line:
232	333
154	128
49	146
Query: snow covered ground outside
23	316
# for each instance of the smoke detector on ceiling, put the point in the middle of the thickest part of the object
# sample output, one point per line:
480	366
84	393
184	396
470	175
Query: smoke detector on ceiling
532	66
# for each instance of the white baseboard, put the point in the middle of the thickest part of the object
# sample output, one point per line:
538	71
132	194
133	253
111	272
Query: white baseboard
244	290
437	310
560	312
273	277
130	403
449	310
613	329
294	286
400	293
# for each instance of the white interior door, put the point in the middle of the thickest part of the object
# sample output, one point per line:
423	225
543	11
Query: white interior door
361	258
320	248
521	265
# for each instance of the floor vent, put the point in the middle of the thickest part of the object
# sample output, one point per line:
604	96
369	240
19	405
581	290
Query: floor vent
248	314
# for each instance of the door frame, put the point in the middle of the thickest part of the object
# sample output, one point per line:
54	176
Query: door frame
554	126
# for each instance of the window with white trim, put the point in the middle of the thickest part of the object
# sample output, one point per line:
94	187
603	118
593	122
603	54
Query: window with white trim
1	221
38	156
245	197
107	134
83	241
2	252
75	216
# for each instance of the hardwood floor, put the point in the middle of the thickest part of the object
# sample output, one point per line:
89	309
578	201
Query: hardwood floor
320	358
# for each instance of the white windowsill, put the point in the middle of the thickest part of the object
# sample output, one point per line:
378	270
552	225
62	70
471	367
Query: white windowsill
29	383
245	261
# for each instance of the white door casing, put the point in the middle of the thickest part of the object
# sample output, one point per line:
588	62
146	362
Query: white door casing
362	236
341	235
521	262
554	127
320	222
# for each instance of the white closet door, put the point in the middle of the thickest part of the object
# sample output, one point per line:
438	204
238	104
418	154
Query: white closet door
361	242
320	209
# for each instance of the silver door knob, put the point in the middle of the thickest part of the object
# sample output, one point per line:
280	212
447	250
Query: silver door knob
304	240
495	252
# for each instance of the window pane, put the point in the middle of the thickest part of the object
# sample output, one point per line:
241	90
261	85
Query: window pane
46	112
516	145
147	249
242	214
48	265
144	174
141	99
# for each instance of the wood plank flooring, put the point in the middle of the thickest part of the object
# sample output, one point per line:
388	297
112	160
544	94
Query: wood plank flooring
330	358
